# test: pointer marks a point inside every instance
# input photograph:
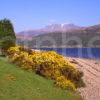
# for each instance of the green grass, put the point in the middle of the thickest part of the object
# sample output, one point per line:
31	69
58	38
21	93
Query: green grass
18	84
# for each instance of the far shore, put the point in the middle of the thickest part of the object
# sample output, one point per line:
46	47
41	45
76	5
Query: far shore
85	58
68	47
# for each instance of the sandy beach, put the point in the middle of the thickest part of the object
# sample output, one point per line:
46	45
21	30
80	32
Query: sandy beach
91	69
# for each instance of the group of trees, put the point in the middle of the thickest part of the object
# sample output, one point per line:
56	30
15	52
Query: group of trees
7	35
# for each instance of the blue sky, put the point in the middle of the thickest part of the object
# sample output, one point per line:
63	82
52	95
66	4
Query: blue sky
34	14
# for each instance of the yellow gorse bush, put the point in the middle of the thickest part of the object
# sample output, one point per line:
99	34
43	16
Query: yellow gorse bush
48	64
64	83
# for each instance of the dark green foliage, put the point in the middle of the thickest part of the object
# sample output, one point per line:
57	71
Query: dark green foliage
7	35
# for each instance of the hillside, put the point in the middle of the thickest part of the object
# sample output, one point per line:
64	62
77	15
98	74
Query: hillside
17	84
60	38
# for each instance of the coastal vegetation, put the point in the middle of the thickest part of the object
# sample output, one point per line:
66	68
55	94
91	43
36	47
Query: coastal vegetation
48	64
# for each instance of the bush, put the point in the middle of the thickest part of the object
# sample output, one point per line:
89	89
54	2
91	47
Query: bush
74	75
64	83
48	64
20	58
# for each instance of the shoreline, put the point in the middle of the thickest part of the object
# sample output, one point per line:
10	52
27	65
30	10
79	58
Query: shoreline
91	70
95	59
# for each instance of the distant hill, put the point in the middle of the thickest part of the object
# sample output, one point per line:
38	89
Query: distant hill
28	34
57	35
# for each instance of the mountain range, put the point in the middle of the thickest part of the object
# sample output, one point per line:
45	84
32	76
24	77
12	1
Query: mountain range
56	31
29	34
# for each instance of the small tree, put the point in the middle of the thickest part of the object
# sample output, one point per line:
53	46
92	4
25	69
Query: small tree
7	35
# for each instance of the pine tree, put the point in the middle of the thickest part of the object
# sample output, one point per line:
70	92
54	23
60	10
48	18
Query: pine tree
7	35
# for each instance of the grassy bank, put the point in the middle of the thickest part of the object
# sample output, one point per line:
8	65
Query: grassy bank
17	84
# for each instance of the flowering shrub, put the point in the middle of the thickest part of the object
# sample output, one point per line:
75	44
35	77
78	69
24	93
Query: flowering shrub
20	58
64	83
48	64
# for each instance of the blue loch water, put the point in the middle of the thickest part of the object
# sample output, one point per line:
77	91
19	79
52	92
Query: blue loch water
93	53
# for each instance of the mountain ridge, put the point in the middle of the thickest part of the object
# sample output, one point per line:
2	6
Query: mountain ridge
84	34
28	34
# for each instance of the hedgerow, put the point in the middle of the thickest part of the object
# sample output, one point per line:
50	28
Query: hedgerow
48	64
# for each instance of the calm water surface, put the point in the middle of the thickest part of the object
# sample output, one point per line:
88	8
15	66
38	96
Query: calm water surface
76	52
